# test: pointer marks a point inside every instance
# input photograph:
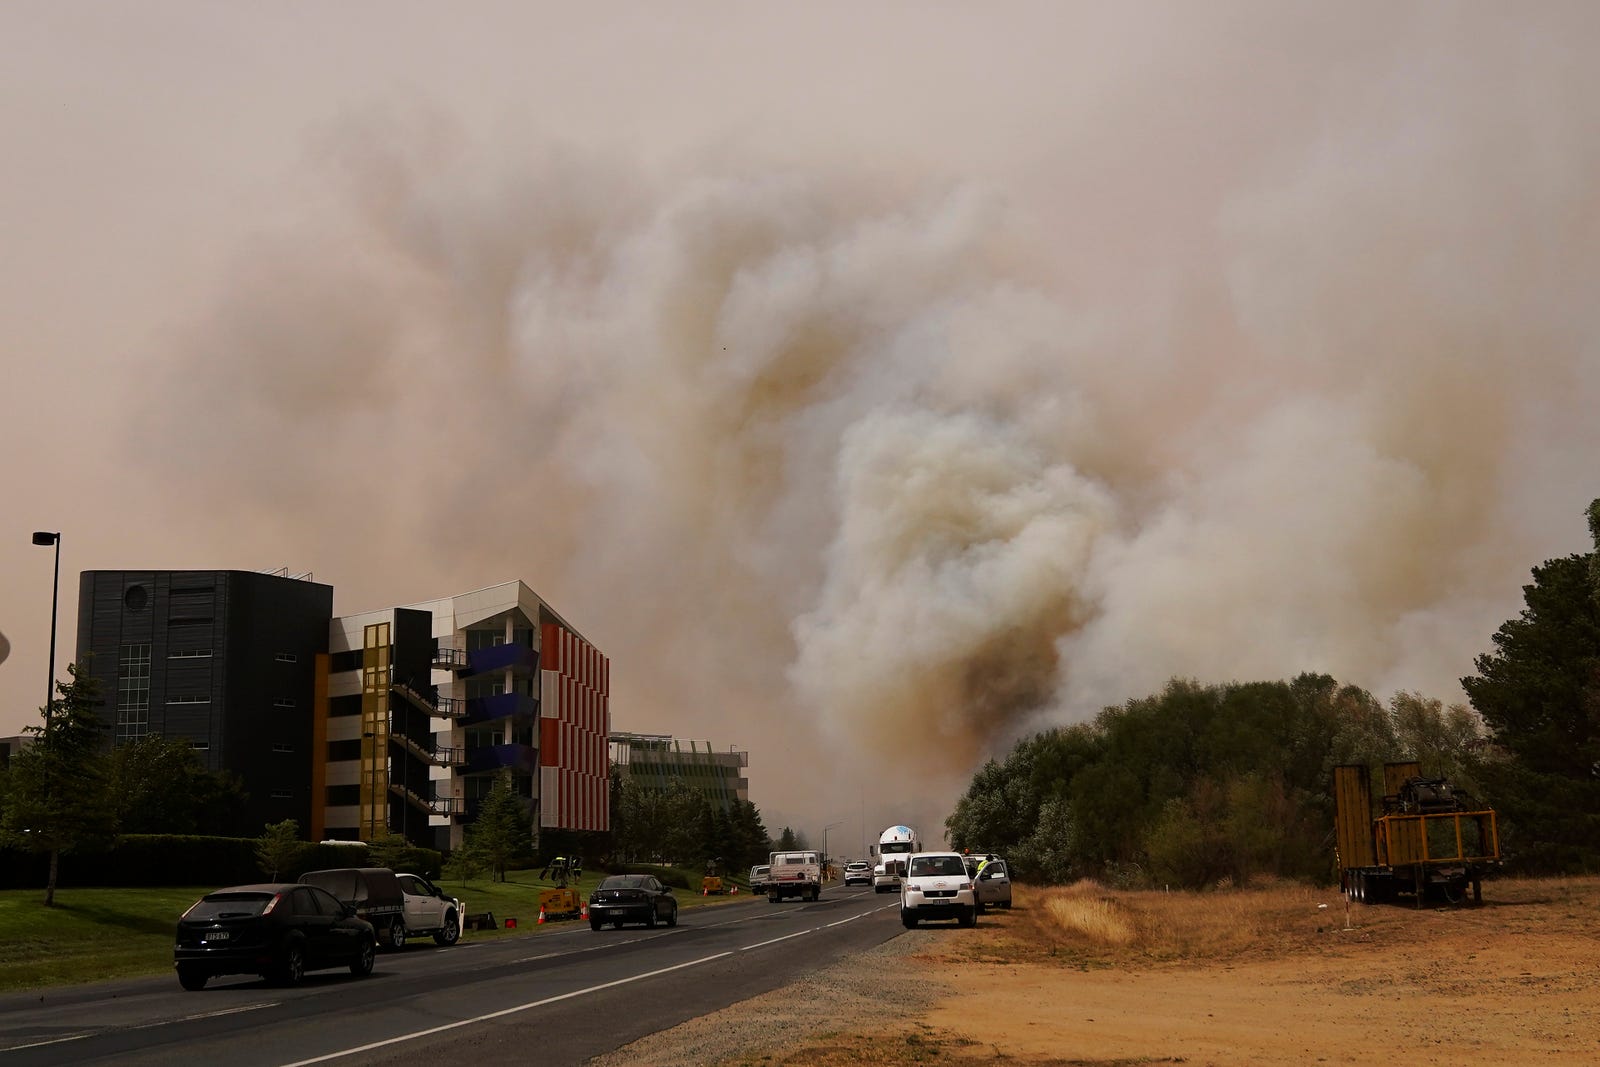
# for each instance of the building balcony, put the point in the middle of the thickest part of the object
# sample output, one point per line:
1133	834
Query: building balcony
500	706
430	801
430	751
521	758
447	657
427	698
520	659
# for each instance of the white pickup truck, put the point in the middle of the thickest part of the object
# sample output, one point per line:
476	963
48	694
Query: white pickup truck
794	874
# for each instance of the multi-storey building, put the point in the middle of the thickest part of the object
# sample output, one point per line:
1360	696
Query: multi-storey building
391	721
224	659
425	707
655	761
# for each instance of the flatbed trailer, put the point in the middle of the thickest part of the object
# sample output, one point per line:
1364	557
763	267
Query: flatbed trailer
1428	837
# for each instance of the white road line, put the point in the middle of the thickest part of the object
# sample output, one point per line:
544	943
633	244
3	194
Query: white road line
41	1044
785	937
141	1026
502	1012
201	1015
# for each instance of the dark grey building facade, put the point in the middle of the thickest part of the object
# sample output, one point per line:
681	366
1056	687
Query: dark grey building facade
224	659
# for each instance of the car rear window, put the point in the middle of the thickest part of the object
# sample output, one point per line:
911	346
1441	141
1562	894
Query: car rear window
229	906
623	881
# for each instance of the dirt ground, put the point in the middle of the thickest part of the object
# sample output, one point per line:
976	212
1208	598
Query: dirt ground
1513	981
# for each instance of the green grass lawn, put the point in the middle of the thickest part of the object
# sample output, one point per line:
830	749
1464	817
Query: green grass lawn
94	934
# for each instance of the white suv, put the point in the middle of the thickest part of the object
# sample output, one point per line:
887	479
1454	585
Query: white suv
936	886
427	911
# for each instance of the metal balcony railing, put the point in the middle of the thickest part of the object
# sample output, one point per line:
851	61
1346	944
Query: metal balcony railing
431	802
448	657
428	699
430	750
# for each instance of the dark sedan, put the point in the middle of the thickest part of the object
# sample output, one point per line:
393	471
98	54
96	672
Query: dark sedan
632	898
277	931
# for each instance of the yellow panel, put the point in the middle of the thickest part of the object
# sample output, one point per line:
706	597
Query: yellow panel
1395	775
1352	797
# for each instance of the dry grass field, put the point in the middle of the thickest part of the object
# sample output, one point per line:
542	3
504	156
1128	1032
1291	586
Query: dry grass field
1271	976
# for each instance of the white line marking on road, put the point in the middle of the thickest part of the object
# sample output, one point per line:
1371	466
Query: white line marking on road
200	1015
785	937
40	1044
502	1012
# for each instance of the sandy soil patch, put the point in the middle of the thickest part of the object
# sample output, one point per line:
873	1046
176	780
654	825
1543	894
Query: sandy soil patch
1257	978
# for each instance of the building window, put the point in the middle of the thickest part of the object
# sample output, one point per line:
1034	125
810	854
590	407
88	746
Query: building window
190	699
190	653
287	657
200	746
282	794
281	747
133	693
283	702
340	751
341	795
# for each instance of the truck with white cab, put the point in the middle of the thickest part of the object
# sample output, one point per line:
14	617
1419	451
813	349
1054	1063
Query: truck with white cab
889	862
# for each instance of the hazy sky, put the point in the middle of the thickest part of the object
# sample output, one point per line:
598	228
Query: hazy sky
872	383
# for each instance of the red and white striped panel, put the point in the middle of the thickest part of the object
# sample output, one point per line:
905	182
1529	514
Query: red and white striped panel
574	773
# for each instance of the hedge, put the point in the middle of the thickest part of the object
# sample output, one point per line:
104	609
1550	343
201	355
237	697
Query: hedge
190	860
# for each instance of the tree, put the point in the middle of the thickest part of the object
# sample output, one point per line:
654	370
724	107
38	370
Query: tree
503	830
58	800
1539	694
278	848
160	786
787	841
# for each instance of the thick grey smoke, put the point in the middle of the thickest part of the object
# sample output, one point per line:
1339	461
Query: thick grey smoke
881	466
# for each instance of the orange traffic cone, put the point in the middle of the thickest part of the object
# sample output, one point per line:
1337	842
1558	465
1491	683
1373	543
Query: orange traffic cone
735	892
583	911
704	891
541	916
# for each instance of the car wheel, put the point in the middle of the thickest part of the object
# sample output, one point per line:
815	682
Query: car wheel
451	932
192	979
397	934
650	917
361	966
907	919
293	966
672	916
1006	904
595	924
979	907
969	917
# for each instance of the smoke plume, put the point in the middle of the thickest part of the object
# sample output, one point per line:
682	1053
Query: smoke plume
1275	365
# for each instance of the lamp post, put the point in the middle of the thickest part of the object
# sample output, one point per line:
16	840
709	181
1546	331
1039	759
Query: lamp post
825	830
44	537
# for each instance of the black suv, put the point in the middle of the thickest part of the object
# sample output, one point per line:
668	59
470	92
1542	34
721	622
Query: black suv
279	931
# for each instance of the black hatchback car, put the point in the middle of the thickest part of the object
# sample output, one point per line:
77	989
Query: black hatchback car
632	898
275	930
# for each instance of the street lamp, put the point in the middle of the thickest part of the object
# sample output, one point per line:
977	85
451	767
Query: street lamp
825	830
43	537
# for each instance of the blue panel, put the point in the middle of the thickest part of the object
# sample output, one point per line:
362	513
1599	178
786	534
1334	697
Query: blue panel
499	658
496	757
488	709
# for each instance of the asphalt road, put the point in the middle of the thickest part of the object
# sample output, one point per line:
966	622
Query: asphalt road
558	997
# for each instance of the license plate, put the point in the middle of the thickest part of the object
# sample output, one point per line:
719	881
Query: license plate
216	935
